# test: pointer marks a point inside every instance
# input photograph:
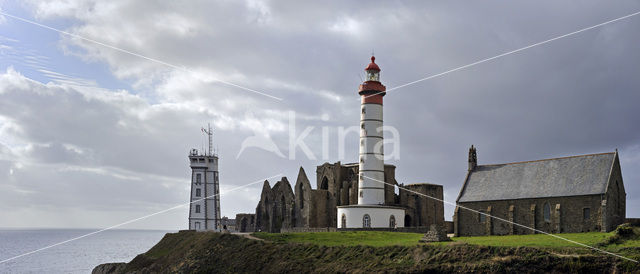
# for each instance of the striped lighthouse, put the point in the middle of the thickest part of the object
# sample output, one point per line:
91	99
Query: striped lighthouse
371	211
371	163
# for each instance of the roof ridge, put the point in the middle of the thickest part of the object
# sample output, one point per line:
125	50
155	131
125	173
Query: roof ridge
549	159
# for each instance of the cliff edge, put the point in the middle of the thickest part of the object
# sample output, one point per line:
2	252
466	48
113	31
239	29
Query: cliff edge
206	252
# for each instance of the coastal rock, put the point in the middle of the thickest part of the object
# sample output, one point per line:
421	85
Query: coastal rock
109	268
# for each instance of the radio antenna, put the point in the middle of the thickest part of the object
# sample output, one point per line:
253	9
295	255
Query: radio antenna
209	133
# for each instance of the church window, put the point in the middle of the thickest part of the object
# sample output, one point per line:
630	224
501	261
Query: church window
361	194
198	178
344	221
392	221
198	192
366	220
325	183
547	212
197	208
482	217
363	110
586	213
301	196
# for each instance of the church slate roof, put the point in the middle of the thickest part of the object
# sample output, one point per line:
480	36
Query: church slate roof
568	176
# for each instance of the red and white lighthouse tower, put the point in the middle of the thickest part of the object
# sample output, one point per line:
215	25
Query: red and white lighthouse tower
371	210
371	165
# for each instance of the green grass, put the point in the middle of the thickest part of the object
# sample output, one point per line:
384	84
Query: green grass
351	238
538	240
379	238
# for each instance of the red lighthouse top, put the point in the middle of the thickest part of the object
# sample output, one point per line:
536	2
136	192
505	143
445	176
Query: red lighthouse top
372	86
373	65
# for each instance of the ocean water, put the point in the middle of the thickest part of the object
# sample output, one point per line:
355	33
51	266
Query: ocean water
79	256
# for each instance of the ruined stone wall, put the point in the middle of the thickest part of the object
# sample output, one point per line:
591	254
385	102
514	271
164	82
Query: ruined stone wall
264	209
421	210
324	209
246	222
566	214
303	203
276	208
282	207
389	187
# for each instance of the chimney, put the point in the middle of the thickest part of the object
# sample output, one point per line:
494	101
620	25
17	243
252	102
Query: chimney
473	158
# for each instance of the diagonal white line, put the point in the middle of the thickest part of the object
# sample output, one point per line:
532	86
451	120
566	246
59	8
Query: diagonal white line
501	219
133	53
509	52
131	221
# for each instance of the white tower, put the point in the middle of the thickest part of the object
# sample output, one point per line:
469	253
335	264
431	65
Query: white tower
370	210
204	210
371	163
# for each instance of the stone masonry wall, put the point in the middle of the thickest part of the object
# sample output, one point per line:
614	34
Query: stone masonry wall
566	214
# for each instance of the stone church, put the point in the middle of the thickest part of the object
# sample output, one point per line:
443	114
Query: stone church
570	194
303	207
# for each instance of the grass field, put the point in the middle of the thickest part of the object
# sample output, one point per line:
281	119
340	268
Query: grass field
351	238
379	238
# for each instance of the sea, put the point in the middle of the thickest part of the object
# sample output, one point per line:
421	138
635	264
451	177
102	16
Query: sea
77	256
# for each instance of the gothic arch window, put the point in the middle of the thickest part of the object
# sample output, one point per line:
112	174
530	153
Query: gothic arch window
283	208
392	221
301	196
546	210
325	183
366	220
344	221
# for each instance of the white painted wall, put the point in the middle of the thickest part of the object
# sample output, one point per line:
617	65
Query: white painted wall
380	216
206	169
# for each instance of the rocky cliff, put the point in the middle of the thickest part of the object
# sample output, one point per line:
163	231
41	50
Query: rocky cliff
204	252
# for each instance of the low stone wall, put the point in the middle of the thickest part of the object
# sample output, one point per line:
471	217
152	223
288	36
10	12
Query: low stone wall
633	221
419	229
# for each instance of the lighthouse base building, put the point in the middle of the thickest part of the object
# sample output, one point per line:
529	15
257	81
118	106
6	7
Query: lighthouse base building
370	216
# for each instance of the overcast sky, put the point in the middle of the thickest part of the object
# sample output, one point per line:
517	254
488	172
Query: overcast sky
91	136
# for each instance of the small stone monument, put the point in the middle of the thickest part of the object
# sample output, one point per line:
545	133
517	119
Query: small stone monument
435	234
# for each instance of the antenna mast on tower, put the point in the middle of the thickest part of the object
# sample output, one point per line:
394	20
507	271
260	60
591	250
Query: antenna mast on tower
209	133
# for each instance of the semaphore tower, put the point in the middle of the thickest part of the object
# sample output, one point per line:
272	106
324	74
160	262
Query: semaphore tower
370	210
204	210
